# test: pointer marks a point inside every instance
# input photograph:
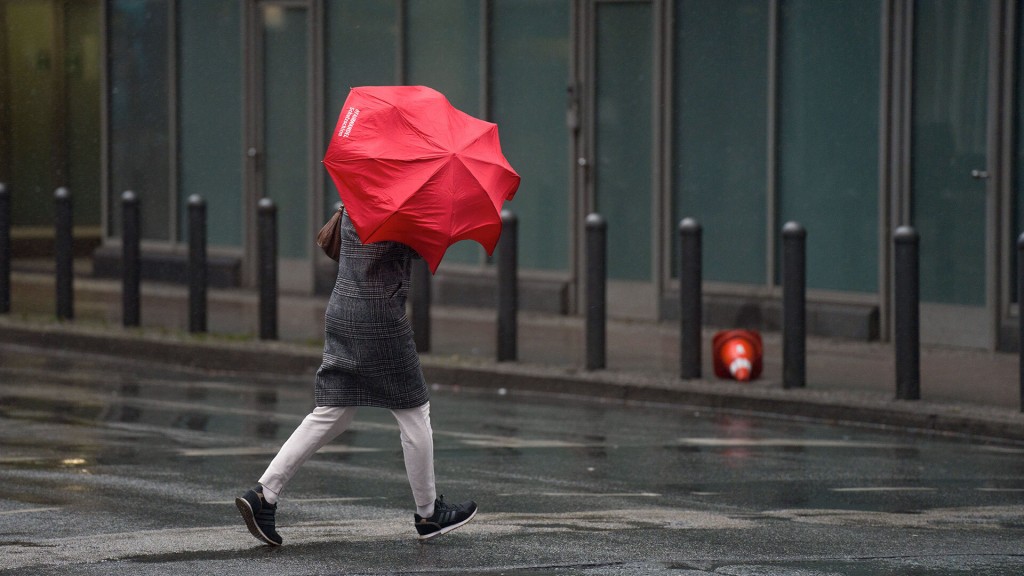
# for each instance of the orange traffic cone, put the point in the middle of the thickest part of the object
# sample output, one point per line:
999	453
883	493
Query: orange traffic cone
737	354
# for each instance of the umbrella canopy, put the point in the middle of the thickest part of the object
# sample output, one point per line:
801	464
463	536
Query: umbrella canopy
410	167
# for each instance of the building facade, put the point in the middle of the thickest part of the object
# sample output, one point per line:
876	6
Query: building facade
851	117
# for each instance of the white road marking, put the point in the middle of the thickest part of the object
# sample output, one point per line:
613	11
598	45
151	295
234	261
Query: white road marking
498	442
21	459
346	499
587	494
27	511
264	451
1000	489
300	500
970	517
885	489
1002	449
786	443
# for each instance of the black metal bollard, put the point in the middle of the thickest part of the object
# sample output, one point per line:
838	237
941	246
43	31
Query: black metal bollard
1020	314
64	255
196	264
508	289
794	306
5	249
420	304
596	291
690	298
907	314
266	226
130	261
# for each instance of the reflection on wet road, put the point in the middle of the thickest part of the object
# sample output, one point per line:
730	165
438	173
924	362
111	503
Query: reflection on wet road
111	466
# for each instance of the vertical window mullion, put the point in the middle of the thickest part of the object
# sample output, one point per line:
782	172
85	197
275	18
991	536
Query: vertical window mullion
772	228
172	122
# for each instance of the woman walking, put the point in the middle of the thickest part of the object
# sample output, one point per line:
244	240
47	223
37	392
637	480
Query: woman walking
369	359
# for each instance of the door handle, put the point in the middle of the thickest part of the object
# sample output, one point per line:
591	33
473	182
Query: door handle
256	157
979	174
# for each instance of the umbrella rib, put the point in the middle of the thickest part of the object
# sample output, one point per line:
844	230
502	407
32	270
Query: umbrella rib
474	140
423	135
398	208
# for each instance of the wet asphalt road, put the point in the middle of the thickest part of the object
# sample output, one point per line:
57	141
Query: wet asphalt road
114	467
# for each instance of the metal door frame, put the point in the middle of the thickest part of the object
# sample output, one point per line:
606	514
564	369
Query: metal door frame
295	274
647	294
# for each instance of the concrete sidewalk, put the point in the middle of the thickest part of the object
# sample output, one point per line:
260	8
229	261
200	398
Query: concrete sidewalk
963	391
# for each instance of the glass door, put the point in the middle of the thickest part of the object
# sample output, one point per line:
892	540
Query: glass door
950	169
281	133
31	96
50	110
622	136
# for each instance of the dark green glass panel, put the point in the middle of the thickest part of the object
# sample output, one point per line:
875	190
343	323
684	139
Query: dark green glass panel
30	118
828	137
82	76
286	125
529	73
623	135
950	140
209	109
720	133
138	117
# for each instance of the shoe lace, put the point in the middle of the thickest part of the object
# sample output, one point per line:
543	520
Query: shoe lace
442	505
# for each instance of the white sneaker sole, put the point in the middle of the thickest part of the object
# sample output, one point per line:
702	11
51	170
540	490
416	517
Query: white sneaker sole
447	529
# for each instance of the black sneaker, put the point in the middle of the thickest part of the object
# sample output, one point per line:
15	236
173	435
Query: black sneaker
259	516
447	517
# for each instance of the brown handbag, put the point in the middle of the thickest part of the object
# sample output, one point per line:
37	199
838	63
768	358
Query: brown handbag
329	237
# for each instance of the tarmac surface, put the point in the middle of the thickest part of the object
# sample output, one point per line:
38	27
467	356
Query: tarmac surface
112	464
964	392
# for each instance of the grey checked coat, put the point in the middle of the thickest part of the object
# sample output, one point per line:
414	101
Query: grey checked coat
369	357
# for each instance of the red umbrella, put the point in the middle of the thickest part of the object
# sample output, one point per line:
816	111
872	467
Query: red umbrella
410	167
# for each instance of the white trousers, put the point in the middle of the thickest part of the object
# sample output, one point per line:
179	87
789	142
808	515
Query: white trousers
327	423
